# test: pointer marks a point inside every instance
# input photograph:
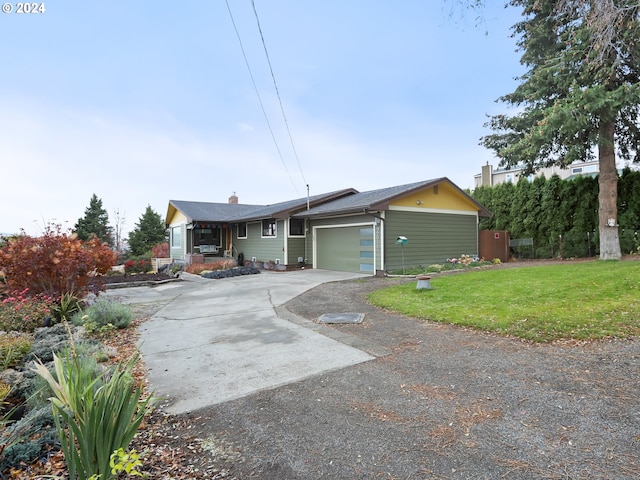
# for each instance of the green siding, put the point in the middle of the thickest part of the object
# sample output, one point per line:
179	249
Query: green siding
264	249
295	249
432	238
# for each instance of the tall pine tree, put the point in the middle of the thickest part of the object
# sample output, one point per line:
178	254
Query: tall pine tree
577	98
95	222
149	231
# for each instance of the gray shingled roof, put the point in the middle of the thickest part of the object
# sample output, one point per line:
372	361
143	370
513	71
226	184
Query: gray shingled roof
371	200
211	212
286	209
333	203
236	212
376	200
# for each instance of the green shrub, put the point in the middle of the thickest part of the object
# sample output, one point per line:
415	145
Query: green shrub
13	347
94	415
103	315
47	341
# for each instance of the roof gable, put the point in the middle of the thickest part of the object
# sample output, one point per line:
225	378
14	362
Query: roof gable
381	199
442	196
206	211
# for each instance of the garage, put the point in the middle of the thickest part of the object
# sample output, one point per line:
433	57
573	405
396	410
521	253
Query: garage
347	249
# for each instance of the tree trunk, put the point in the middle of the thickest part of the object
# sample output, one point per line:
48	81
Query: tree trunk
608	194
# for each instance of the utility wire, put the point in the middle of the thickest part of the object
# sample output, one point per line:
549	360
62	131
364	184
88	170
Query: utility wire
255	87
275	85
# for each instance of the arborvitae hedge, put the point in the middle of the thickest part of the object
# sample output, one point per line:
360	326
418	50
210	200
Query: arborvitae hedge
560	215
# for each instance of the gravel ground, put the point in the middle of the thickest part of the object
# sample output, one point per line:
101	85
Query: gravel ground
438	402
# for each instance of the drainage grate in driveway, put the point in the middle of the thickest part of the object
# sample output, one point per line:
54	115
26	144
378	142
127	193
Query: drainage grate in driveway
341	318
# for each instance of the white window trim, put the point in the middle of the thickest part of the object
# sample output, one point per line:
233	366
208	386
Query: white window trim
178	236
275	229
246	230
304	226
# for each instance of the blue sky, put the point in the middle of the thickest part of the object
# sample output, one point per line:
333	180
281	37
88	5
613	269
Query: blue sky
142	102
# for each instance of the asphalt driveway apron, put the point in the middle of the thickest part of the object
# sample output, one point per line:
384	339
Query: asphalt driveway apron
210	341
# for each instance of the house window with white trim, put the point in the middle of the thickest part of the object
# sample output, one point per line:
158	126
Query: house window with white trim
242	230
269	228
296	227
176	236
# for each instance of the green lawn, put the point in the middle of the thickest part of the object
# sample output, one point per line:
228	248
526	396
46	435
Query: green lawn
585	300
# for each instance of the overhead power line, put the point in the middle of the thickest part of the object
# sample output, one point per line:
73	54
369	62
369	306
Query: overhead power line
255	87
275	86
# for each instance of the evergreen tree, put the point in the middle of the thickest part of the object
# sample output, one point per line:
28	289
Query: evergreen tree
484	195
532	223
569	108
149	231
95	222
585	215
629	208
553	222
518	212
502	206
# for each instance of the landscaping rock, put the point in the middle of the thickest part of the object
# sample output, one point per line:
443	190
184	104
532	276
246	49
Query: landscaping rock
231	272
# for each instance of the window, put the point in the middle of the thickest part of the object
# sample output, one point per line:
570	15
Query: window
509	178
576	170
176	236
269	228
242	230
296	227
207	234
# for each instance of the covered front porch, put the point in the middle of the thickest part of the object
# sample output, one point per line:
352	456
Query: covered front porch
208	242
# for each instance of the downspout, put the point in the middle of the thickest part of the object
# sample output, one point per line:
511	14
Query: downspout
285	245
378	220
382	260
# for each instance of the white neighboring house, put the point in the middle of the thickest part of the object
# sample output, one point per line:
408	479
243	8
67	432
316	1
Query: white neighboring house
490	177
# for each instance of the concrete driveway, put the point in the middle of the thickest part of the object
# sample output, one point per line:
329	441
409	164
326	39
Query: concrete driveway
210	341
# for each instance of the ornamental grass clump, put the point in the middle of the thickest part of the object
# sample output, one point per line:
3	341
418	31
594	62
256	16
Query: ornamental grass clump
13	348
95	415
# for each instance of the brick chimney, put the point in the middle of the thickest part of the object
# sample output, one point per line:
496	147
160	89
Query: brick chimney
233	198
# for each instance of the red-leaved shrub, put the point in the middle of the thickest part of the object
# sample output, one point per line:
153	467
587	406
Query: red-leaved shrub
142	265
160	250
55	263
